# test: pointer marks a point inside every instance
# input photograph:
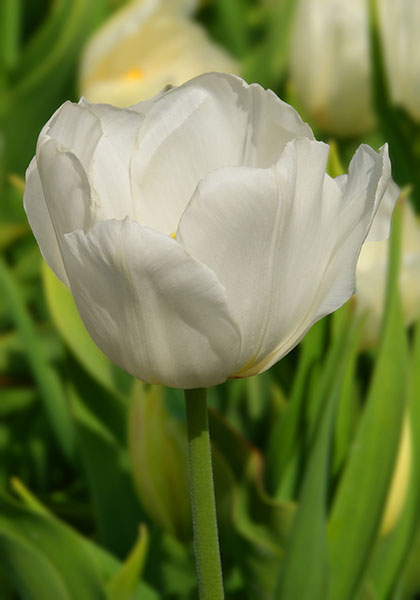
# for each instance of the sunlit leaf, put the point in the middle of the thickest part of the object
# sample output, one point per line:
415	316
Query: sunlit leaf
124	583
359	502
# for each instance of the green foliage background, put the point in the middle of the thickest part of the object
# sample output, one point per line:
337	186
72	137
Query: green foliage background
94	500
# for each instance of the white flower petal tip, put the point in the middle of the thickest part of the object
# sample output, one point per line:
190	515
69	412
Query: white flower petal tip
198	231
387	196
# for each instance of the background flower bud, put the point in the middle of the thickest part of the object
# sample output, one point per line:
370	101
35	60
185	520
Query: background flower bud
330	66
144	47
399	22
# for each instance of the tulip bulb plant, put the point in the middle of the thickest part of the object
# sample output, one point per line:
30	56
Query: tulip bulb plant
201	238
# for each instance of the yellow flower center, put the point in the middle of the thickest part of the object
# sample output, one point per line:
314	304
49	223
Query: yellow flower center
173	235
133	74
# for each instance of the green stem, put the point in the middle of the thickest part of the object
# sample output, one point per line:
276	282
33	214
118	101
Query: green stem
206	542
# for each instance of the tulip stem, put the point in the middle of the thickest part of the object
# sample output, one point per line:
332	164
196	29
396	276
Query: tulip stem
206	542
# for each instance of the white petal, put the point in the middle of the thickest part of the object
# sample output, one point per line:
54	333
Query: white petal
66	188
40	221
368	181
154	310
109	168
211	121
74	128
382	221
268	235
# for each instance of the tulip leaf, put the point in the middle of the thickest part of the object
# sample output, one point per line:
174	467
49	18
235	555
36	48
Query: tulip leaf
159	460
9	34
284	438
322	379
306	550
42	536
111	487
176	570
32	575
68	322
52	392
393	551
232	22
260	524
334	165
364	484
15	399
33	541
124	583
268	63
348	404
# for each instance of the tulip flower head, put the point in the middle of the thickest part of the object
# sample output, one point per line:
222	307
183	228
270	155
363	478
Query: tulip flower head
199	232
145	46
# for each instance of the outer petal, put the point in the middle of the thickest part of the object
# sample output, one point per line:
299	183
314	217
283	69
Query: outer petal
211	121
74	128
382	222
40	221
154	310
284	243
267	234
386	195
109	168
70	201
367	185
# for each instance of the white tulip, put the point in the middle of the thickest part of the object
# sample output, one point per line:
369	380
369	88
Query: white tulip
400	33
199	232
372	271
330	64
145	46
